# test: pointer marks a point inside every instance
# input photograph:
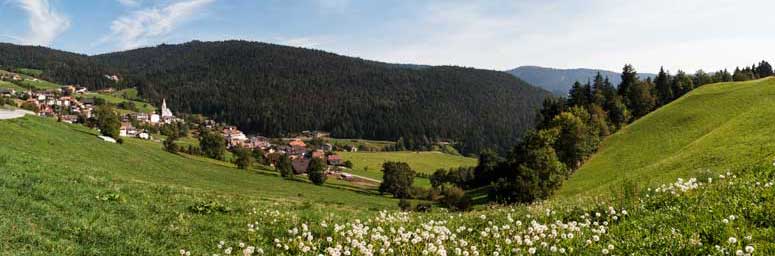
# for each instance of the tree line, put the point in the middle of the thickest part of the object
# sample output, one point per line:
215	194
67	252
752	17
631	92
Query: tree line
569	130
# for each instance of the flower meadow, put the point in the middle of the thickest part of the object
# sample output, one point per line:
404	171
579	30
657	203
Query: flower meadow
727	214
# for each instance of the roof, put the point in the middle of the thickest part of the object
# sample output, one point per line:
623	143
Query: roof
297	143
300	165
334	157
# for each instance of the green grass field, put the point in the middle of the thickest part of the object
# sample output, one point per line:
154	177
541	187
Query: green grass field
716	127
9	85
65	192
372	144
369	164
143	107
129	94
52	173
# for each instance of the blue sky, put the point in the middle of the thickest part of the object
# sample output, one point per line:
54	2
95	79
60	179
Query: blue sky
689	34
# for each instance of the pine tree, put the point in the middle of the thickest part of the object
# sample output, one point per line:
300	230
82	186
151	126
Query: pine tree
664	90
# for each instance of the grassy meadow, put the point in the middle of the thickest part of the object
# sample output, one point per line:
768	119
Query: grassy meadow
142	106
693	178
369	164
718	127
64	190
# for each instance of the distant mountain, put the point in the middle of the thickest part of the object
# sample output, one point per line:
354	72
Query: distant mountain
274	90
559	81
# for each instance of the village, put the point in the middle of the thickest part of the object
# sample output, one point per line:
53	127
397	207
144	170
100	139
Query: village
76	105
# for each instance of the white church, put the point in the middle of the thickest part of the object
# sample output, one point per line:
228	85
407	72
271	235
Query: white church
166	114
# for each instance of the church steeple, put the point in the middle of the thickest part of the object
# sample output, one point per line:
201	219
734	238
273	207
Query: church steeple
165	112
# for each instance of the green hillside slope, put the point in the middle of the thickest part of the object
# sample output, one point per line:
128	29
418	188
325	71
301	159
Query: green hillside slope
715	127
64	190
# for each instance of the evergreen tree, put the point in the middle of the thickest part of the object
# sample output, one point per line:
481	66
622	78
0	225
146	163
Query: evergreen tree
629	79
764	69
284	166
664	89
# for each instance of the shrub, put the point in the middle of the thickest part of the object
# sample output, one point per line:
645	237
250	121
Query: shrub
455	198
208	208
419	192
404	204
244	158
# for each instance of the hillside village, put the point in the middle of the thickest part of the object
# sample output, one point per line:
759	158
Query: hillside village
76	105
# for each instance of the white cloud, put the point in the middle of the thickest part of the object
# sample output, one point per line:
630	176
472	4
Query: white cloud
690	35
130	3
146	26
45	23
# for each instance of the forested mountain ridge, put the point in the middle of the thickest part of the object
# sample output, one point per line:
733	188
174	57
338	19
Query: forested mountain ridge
559	81
272	90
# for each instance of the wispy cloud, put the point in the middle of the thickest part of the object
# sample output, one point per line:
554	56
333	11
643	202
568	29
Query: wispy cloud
45	23
130	3
146	26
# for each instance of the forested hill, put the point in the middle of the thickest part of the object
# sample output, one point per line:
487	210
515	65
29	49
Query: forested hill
272	90
559	81
60	66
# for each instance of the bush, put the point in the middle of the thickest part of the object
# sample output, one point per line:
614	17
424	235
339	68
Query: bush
348	164
120	140
208	208
170	145
419	192
404	204
455	198
244	158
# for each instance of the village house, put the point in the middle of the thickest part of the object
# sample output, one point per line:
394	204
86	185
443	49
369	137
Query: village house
319	154
300	165
81	90
127	130
298	147
234	137
144	135
259	142
334	160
